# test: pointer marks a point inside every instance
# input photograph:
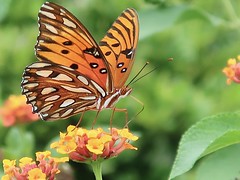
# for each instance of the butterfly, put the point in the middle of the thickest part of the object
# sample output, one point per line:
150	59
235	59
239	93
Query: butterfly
74	74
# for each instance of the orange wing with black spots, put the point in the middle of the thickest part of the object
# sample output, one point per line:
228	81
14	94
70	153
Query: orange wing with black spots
75	74
64	40
119	46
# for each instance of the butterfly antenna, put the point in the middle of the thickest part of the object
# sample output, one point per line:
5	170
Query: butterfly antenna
133	79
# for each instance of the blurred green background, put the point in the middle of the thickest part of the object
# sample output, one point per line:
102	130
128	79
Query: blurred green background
199	35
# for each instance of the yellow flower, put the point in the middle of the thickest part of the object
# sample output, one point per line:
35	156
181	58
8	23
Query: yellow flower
94	144
232	71
125	133
25	161
9	166
66	144
36	174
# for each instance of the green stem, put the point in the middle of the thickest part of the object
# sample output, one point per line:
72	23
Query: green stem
97	169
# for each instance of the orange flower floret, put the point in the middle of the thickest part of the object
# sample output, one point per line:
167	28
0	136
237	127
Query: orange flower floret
45	167
232	71
94	144
15	110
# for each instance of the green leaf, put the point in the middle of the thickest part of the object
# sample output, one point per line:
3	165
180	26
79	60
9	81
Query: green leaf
157	20
221	165
19	143
207	136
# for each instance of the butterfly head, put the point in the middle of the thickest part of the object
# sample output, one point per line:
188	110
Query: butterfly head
125	91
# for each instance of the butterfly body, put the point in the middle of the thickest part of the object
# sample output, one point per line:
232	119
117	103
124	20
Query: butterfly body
74	74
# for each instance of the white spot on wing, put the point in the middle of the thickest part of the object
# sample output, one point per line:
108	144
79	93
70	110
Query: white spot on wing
67	102
69	23
62	11
56	115
66	113
39	65
100	90
35	108
65	67
31	98
78	90
46	108
46	6
83	80
51	28
24	81
88	98
31	85
62	77
43	115
48	90
52	98
44	73
25	90
33	103
48	14
27	93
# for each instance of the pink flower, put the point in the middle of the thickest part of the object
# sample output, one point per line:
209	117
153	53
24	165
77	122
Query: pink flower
45	167
15	111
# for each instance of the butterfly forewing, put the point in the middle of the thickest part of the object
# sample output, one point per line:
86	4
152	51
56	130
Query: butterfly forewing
58	92
119	46
64	40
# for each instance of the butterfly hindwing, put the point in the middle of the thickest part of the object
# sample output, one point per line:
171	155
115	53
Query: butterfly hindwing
57	91
119	46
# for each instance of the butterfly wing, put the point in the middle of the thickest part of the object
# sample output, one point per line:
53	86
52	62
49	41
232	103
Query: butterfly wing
64	40
56	91
119	46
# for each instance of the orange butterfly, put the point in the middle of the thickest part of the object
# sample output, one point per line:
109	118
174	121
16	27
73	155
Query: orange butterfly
75	74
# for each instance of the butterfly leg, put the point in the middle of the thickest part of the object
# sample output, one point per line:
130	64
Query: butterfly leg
120	110
141	103
95	119
80	119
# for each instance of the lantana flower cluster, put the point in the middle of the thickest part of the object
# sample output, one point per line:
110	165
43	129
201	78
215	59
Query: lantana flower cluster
45	167
232	71
84	145
15	111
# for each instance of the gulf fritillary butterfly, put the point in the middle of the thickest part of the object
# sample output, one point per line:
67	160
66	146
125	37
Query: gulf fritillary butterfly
75	74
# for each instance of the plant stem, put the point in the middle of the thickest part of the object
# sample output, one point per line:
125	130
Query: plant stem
97	169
